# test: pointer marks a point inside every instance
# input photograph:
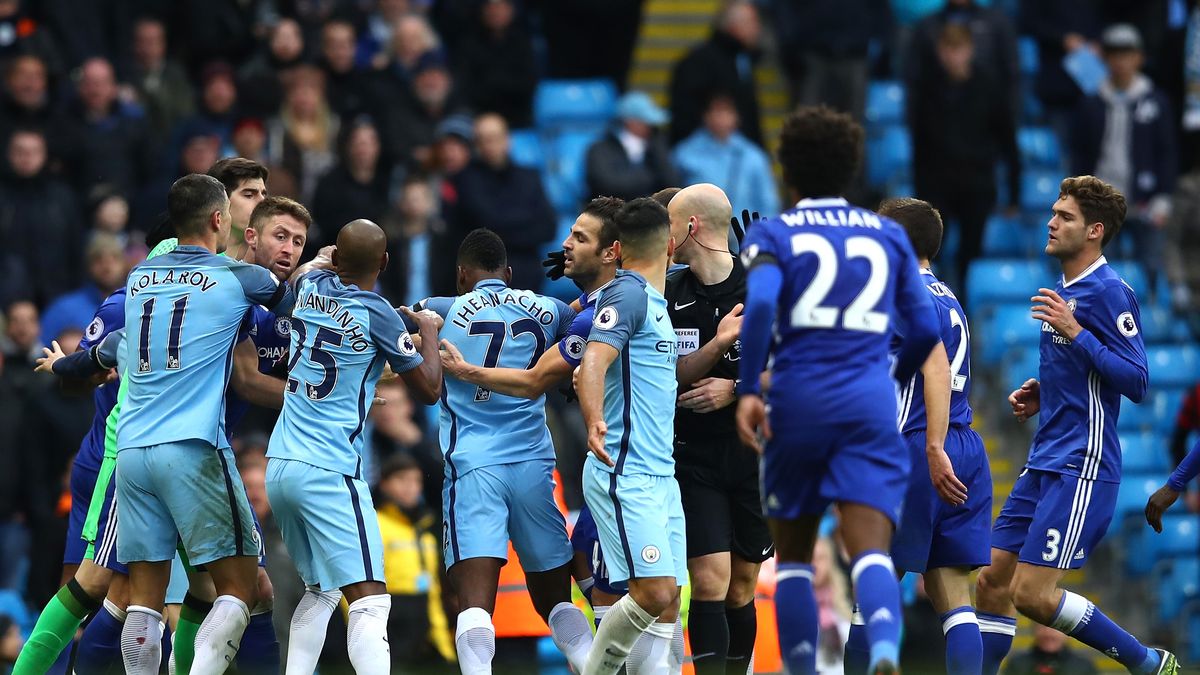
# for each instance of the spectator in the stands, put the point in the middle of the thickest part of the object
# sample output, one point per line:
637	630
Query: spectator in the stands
1187	423
160	83
495	193
1060	27
259	81
40	225
497	59
371	45
21	345
216	114
1125	135
631	160
452	154
357	187
414	232
28	102
726	62
961	127
200	151
1048	656
992	34
14	494
412	124
21	33
109	138
10	635
603	50
350	90
399	431
302	137
1182	249
718	153
412	38
106	269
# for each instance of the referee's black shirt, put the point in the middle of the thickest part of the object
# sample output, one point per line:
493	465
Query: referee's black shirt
695	311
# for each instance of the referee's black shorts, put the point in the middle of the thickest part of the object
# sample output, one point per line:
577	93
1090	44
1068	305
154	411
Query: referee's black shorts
718	480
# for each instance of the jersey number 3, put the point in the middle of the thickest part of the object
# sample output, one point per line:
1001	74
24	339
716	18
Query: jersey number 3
860	314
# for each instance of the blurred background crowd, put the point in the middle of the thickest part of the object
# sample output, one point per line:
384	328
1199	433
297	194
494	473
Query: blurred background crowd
433	117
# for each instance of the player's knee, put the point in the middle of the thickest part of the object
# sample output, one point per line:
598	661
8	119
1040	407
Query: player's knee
990	588
266	592
1033	601
655	598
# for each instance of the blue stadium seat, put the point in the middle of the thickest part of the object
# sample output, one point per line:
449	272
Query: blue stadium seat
559	103
885	102
566	166
1027	54
13	606
1009	327
1039	189
1157	412
1004	280
1173	366
1134	491
1006	237
1039	148
1159	326
1132	273
1179	538
1178	586
889	155
1021	368
525	148
1145	452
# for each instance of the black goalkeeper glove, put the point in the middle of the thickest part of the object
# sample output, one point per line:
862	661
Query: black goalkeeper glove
740	228
555	264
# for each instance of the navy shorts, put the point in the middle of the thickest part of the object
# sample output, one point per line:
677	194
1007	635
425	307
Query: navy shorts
806	466
585	540
934	534
1053	519
83	483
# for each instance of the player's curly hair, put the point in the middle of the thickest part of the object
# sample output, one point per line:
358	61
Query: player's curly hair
1098	201
920	220
482	249
604	209
820	150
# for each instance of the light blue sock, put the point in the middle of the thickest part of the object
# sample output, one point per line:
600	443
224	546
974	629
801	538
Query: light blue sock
796	616
857	655
100	647
964	645
1082	620
878	594
997	633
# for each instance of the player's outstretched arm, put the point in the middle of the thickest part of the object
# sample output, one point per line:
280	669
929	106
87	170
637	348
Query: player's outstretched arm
1166	495
322	261
936	373
100	358
531	383
251	385
696	365
425	381
590	386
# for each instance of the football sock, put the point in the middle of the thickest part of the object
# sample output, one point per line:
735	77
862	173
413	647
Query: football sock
997	633
183	646
586	586
1082	620
366	635
475	638
743	630
796	616
306	635
100	646
259	654
571	633
598	613
141	641
709	630
857	654
651	652
878	595
622	625
964	646
55	628
677	656
220	636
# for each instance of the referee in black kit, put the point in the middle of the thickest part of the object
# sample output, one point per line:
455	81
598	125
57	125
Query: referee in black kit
727	536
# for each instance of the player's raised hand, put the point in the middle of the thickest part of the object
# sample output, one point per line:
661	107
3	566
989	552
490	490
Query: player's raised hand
52	353
752	422
596	434
426	320
741	228
1158	504
1049	306
1026	401
452	359
707	395
941	472
730	327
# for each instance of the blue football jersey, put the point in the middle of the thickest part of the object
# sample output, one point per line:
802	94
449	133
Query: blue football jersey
110	316
572	346
496	327
639	387
850	278
956	337
183	310
340	338
1082	380
270	335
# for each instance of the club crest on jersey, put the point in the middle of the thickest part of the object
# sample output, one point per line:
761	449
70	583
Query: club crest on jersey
607	318
575	346
749	254
95	329
651	554
283	326
406	345
1127	325
1072	304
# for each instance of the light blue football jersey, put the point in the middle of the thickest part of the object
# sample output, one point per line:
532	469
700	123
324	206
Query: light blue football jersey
640	386
182	314
496	327
341	336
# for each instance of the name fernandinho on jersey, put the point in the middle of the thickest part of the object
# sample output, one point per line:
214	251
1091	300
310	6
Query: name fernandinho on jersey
831	218
481	301
332	307
186	277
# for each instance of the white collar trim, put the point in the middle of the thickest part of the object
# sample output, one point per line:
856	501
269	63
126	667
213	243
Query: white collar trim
927	271
822	202
1091	268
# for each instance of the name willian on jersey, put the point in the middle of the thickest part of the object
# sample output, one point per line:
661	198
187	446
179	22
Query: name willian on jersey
150	278
831	218
473	304
353	331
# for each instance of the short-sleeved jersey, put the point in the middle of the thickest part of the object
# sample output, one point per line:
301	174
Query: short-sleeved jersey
639	387
182	313
340	337
1077	428
496	327
270	335
110	316
848	274
572	346
956	337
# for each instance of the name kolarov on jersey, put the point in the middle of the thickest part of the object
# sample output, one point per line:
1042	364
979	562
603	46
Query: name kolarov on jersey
324	304
150	278
473	304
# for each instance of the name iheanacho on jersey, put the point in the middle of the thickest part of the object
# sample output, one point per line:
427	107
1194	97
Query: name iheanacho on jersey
331	306
832	218
472	304
187	277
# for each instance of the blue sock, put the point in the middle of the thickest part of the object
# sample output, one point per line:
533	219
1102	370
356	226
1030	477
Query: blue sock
878	595
63	663
259	653
796	617
964	645
1079	618
857	654
167	639
100	647
997	633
